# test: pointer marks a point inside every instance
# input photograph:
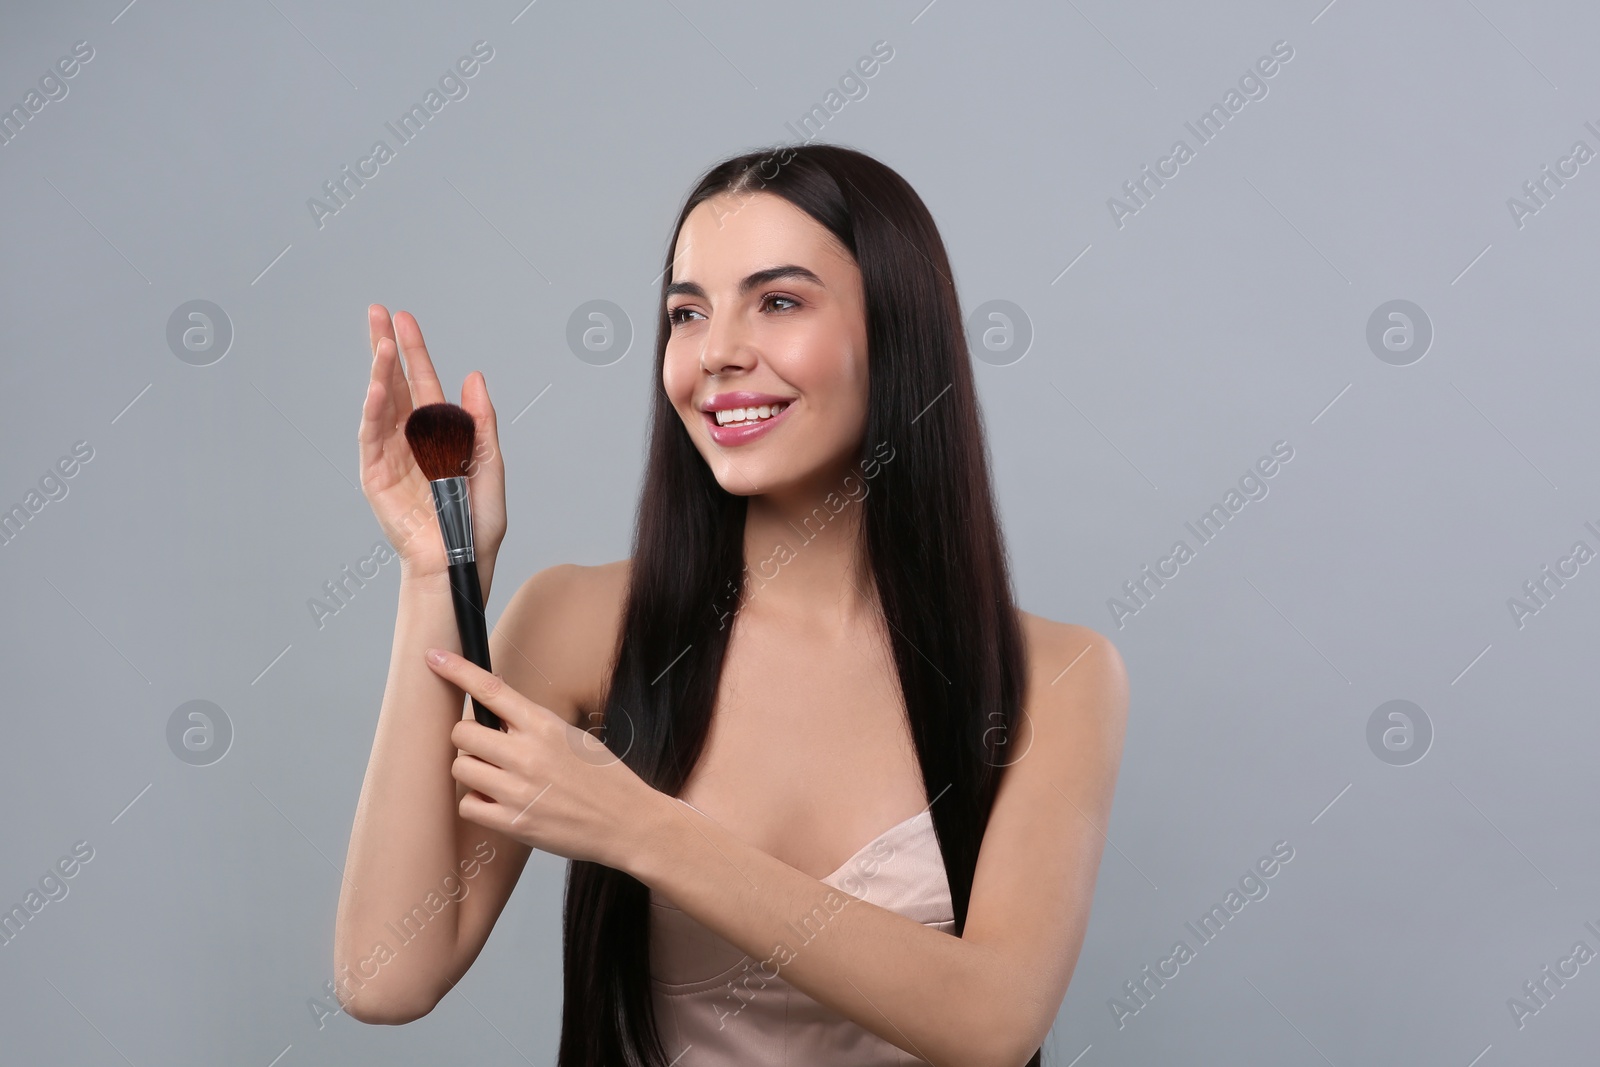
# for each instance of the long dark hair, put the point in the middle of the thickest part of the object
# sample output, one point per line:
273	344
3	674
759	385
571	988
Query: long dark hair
931	538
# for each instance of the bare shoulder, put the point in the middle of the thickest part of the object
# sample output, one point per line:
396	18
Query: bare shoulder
555	641
1074	669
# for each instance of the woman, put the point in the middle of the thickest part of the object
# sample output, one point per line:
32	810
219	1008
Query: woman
813	640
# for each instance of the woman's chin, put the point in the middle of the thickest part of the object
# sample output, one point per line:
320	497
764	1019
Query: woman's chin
744	481
752	477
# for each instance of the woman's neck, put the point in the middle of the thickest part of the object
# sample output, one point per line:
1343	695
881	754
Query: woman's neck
803	561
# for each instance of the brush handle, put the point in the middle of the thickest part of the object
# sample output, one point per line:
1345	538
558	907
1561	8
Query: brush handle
467	596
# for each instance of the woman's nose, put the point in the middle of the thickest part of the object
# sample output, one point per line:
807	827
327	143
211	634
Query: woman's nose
726	348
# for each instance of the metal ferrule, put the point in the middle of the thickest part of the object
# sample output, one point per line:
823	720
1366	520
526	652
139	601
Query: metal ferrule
450	500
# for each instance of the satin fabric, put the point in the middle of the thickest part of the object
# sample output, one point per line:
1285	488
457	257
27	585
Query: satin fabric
717	1006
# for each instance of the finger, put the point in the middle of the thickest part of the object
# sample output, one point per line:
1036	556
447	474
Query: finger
385	358
374	419
494	807
419	367
386	369
482	811
488	689
490	745
485	778
493	815
378	325
486	445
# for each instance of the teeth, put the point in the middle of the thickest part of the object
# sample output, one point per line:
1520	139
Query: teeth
743	416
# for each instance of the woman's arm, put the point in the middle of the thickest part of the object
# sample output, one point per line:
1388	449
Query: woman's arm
990	996
987	998
408	838
552	643
417	875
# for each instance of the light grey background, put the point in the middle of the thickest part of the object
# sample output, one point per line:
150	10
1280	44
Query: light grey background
1228	314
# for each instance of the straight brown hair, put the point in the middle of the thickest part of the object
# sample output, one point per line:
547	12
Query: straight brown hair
931	537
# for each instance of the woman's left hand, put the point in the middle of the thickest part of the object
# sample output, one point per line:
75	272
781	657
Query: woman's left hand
543	781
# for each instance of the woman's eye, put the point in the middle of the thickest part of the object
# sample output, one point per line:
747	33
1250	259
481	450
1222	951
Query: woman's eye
679	315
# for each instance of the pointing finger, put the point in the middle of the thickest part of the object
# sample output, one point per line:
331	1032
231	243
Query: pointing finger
488	689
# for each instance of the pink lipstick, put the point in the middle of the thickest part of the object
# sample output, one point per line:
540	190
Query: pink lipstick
754	425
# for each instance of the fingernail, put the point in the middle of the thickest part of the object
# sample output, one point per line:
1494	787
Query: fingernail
435	655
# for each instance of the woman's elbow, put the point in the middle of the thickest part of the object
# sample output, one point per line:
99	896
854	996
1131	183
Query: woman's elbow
1010	1033
379	1000
372	1007
1003	1050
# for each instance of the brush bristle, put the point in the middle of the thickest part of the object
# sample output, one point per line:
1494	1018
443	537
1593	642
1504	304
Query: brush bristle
441	437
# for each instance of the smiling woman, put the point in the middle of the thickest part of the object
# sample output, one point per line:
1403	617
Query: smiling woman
733	896
863	686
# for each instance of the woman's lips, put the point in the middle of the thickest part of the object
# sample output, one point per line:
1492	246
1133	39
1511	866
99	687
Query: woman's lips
739	435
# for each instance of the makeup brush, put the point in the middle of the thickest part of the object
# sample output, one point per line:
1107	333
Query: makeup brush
441	437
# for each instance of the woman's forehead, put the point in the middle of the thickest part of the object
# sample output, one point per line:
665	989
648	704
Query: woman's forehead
727	237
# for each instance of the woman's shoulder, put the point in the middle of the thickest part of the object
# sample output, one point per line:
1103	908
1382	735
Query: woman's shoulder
1048	634
561	627
1066	658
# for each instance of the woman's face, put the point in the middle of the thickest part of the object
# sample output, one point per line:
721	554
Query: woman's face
766	314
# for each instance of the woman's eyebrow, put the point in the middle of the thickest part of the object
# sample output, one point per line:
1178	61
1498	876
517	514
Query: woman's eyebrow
751	281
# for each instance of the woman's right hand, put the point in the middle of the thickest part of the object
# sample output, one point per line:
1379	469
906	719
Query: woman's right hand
394	485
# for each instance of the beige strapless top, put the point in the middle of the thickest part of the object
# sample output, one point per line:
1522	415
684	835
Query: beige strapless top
717	1006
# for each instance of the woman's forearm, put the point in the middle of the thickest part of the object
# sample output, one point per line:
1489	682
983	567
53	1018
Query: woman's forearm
931	994
404	839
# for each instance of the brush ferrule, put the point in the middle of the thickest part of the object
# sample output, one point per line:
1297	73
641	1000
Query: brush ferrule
454	507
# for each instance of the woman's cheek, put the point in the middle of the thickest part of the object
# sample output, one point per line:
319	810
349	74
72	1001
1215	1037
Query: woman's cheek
677	380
